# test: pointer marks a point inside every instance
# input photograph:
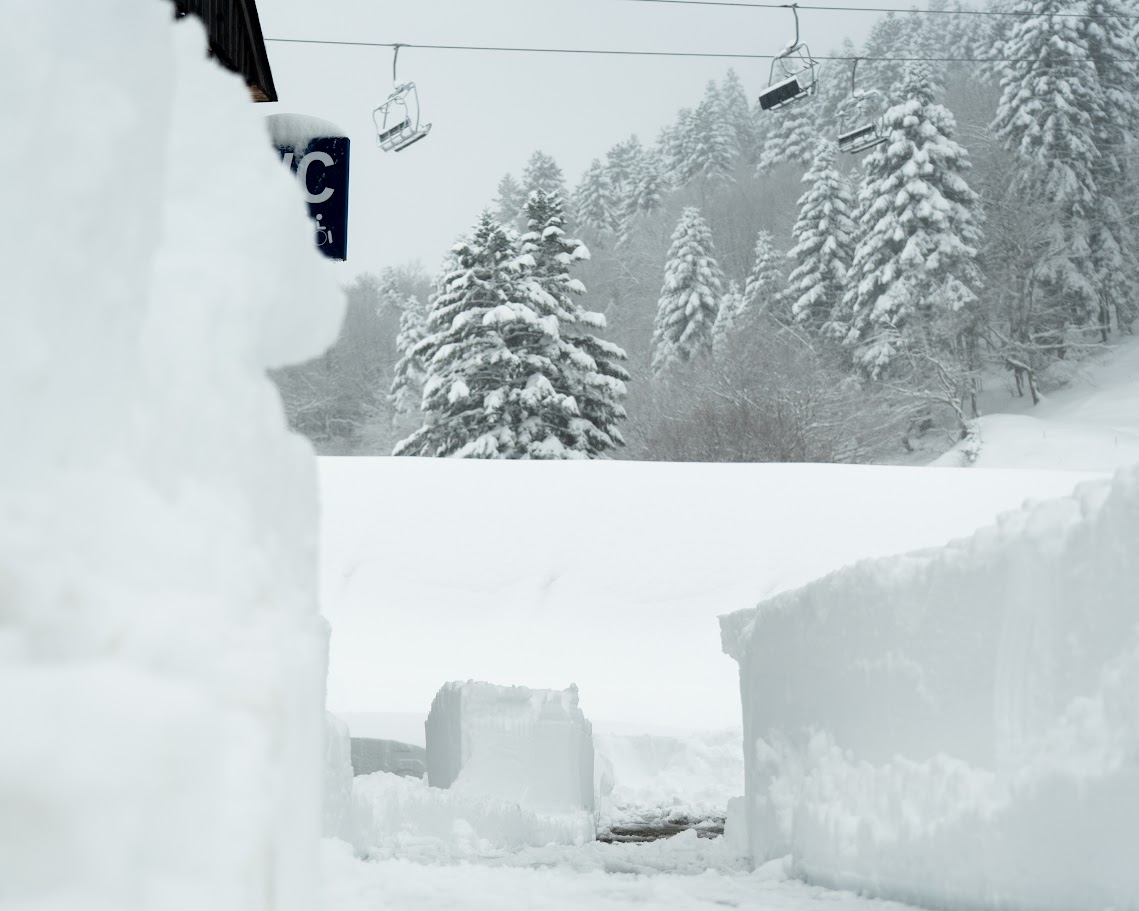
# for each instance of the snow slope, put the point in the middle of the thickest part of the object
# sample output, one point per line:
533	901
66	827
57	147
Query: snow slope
1091	425
609	575
162	659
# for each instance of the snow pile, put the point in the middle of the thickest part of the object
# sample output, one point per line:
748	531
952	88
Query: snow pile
651	778
338	803
532	747
957	726
161	657
398	816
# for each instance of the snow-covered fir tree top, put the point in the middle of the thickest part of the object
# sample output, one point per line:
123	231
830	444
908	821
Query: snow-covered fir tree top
690	297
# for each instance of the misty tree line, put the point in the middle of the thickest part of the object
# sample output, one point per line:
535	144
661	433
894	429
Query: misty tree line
755	295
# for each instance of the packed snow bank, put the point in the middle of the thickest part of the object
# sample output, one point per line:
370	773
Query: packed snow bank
957	727
161	657
649	778
607	573
531	747
398	816
337	800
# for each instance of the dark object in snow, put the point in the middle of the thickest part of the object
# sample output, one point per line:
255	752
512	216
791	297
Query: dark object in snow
657	829
236	41
372	755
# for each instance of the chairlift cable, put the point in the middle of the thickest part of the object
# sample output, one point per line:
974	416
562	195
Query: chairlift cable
628	53
888	9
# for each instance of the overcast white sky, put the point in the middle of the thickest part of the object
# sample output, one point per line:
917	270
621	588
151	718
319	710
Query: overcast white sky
490	111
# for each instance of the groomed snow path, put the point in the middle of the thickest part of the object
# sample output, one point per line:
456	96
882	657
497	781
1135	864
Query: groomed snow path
579	881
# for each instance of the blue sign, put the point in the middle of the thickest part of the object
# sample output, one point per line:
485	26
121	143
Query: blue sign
322	169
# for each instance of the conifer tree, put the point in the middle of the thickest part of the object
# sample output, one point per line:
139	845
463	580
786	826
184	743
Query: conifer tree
407	387
679	149
542	173
728	319
918	229
589	369
645	195
510	200
713	147
791	136
488	392
889	40
738	116
690	297
765	281
1112	47
824	242
1051	103
594	201
623	163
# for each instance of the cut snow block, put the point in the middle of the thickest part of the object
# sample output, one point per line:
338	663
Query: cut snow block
957	727
533	747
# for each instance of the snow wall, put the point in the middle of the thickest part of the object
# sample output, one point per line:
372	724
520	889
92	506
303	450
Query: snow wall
162	660
532	747
958	727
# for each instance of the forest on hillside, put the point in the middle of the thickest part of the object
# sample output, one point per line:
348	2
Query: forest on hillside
740	288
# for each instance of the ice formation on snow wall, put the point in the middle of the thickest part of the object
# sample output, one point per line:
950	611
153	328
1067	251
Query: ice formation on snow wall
957	727
533	747
162	660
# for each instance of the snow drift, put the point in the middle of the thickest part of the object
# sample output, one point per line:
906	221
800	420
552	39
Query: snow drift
398	816
161	657
530	747
957	727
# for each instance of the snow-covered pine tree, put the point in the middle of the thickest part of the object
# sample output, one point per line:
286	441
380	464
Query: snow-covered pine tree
738	115
791	137
690	298
824	242
764	284
590	369
510	201
594	202
622	164
1107	30
407	387
646	192
542	173
1051	103
487	392
678	148
728	318
888	41
714	148
917	229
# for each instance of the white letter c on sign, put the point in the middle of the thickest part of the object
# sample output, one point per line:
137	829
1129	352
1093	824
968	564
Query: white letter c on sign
302	174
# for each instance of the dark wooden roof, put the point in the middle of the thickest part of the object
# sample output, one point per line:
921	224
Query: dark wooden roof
235	40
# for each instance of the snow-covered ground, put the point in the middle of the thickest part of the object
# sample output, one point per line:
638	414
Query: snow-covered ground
617	594
684	873
1090	425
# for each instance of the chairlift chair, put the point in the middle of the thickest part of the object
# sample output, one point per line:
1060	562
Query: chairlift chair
400	126
794	73
864	134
